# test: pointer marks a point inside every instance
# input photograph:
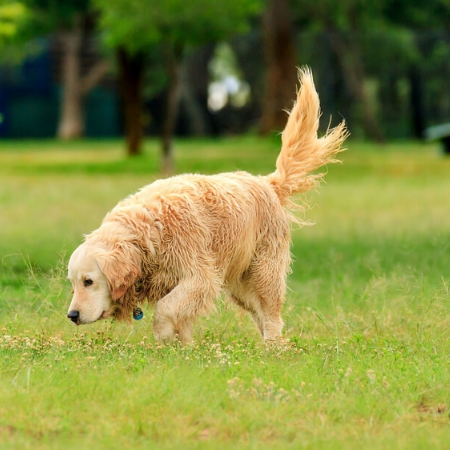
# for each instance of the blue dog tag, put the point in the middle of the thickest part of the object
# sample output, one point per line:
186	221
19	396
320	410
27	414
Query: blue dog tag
138	314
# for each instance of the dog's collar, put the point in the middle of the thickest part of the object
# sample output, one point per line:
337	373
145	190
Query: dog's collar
137	314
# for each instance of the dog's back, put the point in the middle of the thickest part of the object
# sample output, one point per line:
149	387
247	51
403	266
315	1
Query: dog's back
228	215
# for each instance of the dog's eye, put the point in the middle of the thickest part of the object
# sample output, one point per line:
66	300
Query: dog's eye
87	282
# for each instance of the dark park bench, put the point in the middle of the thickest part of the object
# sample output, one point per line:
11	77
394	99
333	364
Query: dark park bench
440	133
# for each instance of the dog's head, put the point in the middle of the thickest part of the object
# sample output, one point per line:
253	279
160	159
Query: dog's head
101	271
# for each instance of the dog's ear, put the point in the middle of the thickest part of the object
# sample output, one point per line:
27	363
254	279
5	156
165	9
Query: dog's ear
121	267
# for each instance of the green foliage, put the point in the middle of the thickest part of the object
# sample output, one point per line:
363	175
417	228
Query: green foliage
344	15
22	22
378	15
418	15
137	24
15	20
393	21
13	16
55	15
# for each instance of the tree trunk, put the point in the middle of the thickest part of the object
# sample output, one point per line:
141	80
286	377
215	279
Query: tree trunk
349	57
131	74
71	123
193	91
172	61
281	76
75	86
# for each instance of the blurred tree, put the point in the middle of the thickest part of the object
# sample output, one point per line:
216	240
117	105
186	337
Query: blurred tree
418	15
14	21
194	90
12	17
344	20
383	50
396	48
281	60
421	20
72	20
131	67
134	26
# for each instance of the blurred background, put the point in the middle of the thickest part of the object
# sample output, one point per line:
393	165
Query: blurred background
107	68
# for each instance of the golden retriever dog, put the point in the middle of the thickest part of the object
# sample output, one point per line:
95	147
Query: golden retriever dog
180	242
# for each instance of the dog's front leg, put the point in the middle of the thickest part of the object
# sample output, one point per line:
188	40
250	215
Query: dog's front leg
175	313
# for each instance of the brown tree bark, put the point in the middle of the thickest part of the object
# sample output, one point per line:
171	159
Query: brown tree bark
75	87
193	90
71	123
131	75
281	74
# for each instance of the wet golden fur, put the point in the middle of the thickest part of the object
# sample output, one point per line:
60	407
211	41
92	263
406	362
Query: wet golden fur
180	242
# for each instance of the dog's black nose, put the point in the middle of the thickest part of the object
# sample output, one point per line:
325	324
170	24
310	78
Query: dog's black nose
73	316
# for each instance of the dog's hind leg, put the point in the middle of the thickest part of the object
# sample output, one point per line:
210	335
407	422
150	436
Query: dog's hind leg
176	312
262	302
270	300
267	279
247	302
265	309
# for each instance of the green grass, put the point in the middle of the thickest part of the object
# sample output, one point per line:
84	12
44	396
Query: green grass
367	313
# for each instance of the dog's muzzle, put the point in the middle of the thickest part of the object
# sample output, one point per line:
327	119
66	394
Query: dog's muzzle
74	316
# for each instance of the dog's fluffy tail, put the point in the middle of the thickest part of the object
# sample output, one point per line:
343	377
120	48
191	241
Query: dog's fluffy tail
302	151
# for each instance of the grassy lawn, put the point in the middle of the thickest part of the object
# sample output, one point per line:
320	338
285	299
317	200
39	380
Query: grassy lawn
367	314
